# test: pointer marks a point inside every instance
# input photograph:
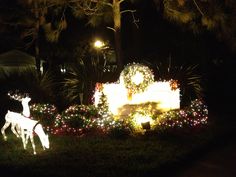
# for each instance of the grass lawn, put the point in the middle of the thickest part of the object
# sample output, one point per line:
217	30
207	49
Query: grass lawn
93	156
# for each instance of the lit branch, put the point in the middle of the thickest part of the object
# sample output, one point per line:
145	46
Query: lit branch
198	8
111	28
124	11
30	32
121	1
63	14
108	4
135	21
88	7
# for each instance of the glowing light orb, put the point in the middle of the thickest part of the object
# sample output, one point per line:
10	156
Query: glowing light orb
137	78
98	44
140	118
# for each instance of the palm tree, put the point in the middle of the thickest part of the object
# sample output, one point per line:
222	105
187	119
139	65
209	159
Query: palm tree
187	76
83	74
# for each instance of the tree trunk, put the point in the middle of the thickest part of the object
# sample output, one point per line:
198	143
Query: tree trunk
36	44
117	34
37	58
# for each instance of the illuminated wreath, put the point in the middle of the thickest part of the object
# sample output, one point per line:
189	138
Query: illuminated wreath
137	77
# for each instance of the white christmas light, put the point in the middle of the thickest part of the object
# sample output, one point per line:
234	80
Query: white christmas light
157	92
27	127
24	127
137	78
119	94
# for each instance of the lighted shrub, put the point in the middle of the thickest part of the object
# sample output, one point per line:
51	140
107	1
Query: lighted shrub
45	113
76	120
194	115
120	129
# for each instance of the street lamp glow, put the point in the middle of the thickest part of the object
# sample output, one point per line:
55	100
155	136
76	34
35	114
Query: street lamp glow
98	44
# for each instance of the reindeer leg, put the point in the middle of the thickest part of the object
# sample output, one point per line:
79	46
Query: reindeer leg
23	138
18	130
27	138
32	142
7	124
14	130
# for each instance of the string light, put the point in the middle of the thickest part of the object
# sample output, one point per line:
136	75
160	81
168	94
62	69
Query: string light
193	116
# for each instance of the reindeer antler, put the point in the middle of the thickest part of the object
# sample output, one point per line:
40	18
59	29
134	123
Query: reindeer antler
16	95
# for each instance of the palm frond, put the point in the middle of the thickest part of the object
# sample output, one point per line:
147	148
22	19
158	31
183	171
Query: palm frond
188	77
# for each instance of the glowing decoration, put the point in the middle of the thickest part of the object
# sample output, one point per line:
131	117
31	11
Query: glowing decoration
24	99
98	44
174	84
141	121
136	97
26	128
142	118
195	115
75	120
127	92
45	113
136	77
105	117
143	104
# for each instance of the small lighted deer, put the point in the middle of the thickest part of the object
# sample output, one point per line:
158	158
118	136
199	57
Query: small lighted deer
27	128
24	99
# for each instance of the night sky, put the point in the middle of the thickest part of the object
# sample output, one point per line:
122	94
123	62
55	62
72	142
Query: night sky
155	39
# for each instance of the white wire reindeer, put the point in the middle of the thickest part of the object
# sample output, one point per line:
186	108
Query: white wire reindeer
24	99
22	126
27	128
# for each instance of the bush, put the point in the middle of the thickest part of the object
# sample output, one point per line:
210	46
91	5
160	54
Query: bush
192	116
45	113
76	120
120	129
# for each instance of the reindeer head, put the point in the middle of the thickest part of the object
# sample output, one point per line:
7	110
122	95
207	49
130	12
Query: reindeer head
46	142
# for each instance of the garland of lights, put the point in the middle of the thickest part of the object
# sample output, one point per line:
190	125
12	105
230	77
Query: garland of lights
137	77
195	115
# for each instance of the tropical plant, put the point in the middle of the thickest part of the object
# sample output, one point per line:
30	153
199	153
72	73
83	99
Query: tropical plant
73	85
187	76
83	74
193	115
42	86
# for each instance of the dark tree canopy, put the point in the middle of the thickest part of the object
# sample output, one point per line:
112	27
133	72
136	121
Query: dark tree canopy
217	16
